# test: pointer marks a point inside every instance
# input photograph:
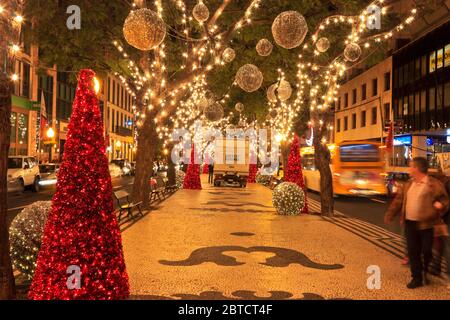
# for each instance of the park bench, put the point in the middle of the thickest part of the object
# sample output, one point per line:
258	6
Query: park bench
158	190
125	205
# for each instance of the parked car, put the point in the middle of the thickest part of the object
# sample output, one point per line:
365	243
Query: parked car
23	172
394	181
48	174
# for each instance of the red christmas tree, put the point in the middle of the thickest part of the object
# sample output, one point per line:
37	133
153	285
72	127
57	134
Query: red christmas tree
293	171
81	254
252	173
192	178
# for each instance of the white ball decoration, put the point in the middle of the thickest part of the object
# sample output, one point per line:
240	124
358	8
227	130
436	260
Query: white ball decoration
144	30
323	44
200	12
289	29
239	107
264	47
288	199
352	52
228	55
249	78
284	90
271	93
213	112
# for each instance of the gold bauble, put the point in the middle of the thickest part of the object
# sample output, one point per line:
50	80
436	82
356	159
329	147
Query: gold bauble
352	52
213	112
289	29
323	44
284	90
271	96
200	12
228	55
249	78
144	30
239	107
264	47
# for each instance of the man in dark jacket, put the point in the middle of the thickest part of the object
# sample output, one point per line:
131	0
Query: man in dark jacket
420	204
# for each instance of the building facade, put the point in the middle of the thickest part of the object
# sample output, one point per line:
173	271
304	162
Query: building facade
364	105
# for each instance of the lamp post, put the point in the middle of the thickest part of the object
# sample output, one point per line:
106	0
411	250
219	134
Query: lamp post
118	146
50	133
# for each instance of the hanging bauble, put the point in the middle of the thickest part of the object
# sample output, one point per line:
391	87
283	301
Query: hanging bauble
241	123
273	113
284	90
271	93
213	112
202	104
264	47
25	236
352	52
200	12
228	55
323	44
239	107
288	199
289	29
249	78
143	29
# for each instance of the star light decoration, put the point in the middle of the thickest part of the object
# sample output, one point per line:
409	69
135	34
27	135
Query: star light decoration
288	199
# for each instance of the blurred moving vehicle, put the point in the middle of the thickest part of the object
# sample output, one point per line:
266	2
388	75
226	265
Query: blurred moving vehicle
23	171
357	168
48	174
394	181
123	165
231	162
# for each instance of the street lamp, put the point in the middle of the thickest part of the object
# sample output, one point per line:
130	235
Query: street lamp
118	146
50	133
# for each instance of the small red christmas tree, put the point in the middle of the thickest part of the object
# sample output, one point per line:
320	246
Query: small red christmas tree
252	173
192	178
81	254
294	172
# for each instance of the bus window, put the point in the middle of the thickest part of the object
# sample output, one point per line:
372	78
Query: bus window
308	162
359	153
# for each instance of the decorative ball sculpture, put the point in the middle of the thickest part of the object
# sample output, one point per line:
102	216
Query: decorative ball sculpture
323	44
143	29
271	93
288	199
264	47
284	90
273	113
249	78
228	55
200	12
213	112
179	179
25	236
352	52
239	107
289	29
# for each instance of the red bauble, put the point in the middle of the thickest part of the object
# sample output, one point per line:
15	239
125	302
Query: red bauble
192	178
293	172
82	232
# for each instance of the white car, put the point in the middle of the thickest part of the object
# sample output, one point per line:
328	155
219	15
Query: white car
23	171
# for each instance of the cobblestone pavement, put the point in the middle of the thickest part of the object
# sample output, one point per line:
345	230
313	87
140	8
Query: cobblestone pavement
226	243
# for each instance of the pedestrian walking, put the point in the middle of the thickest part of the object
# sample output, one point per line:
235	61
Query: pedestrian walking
211	172
421	204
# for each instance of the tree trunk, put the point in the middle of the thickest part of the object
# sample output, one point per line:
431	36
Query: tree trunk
322	161
284	150
7	284
146	151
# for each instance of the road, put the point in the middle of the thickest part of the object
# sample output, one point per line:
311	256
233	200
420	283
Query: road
368	209
17	201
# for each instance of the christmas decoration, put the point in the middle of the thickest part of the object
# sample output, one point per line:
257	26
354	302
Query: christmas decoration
192	178
284	90
205	168
213	112
293	172
200	12
25	236
264	47
249	78
252	173
81	232
144	30
202	104
263	179
288	199
180	175
323	44
239	107
271	96
273	113
289	29
352	52
228	55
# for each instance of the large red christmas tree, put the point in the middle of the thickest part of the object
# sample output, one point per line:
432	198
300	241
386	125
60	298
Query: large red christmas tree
192	178
81	254
293	171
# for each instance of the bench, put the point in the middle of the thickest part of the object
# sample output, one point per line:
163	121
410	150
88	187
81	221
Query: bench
126	206
158	189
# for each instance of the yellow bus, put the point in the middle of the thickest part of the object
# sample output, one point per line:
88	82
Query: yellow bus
357	168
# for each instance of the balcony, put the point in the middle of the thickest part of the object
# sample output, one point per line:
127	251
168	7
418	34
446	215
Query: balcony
122	131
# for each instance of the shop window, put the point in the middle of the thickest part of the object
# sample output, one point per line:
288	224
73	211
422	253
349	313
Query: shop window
22	128
432	65
440	58
447	55
13	127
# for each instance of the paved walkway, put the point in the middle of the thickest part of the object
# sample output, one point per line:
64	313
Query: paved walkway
224	243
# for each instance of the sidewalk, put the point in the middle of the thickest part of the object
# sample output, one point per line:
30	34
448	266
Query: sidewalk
225	243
